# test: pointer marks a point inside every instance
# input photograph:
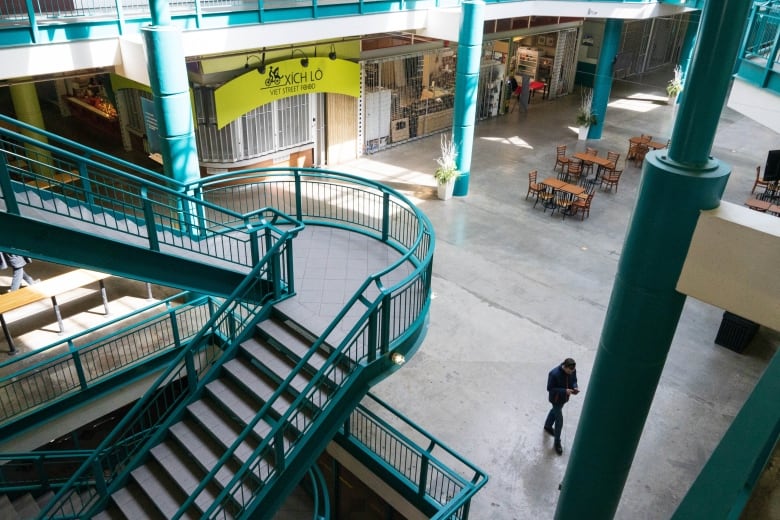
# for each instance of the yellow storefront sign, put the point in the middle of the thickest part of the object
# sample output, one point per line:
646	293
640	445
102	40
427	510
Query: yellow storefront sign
284	79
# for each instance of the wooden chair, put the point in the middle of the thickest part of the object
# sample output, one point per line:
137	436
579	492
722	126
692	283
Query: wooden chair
613	158
574	172
611	178
758	182
563	203
560	157
587	166
546	194
582	206
639	154
533	186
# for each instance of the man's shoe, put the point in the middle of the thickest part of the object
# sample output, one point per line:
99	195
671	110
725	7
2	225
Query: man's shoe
559	449
549	430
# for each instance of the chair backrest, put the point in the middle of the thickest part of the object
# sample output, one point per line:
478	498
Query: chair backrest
758	173
647	137
532	176
575	168
564	197
613	157
560	150
589	199
591	151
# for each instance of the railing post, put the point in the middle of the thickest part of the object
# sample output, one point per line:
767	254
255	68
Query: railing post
151	228
424	463
385	215
192	375
297	176
86	184
279	450
175	328
5	184
197	193
254	244
384	339
373	343
77	363
289	258
34	34
100	479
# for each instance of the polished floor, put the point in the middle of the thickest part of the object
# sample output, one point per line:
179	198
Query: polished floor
517	290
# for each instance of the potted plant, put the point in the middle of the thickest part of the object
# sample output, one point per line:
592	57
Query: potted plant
585	116
447	171
675	86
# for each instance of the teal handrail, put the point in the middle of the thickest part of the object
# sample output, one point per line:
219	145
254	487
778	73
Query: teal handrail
39	470
125	206
75	360
392	311
447	488
150	417
394	301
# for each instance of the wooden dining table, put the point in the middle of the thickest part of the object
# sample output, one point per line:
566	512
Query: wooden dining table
560	185
655	145
602	162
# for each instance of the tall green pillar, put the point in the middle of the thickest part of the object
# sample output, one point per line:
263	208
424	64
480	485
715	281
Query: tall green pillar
602	83
689	43
644	308
466	87
171	91
27	108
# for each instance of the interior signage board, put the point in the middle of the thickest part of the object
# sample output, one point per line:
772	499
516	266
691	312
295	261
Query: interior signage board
284	79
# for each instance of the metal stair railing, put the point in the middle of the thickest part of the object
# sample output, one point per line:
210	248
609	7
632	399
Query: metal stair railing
392	312
395	310
39	471
431	472
130	206
153	414
77	363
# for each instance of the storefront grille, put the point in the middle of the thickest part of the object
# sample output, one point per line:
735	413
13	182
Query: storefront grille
405	97
276	126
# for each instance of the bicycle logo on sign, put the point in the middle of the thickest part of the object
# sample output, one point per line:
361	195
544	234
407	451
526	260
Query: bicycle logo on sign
273	78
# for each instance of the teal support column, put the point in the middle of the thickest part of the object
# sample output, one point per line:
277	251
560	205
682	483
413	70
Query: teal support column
644	308
171	91
602	83
466	87
689	43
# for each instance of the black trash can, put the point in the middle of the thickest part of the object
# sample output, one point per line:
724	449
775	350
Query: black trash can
735	332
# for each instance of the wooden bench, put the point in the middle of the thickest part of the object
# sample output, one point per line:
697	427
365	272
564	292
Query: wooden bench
48	289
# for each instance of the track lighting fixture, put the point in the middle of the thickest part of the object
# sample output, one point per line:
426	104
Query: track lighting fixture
304	60
261	68
332	53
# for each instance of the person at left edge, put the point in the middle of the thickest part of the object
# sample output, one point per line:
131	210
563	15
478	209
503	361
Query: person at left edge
17	263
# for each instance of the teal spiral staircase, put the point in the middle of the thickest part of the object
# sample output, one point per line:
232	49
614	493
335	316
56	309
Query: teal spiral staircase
250	388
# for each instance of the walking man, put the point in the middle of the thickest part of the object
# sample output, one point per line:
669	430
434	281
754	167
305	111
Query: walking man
561	383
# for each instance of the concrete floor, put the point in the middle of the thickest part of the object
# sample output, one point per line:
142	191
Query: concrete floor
516	291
